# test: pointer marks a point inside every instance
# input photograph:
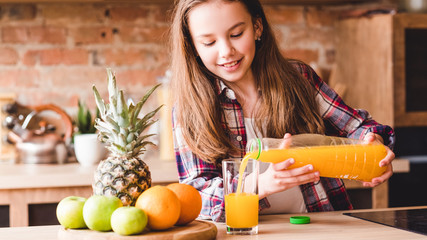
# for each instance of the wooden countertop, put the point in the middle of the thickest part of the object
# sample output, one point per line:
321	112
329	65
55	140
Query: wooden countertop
24	184
325	225
19	176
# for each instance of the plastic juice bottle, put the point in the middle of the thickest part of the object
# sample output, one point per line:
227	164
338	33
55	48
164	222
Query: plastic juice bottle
333	157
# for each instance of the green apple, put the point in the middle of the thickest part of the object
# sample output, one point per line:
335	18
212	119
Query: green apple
128	220
97	211
70	212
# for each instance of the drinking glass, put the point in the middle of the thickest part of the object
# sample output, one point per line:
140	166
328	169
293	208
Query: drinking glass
241	202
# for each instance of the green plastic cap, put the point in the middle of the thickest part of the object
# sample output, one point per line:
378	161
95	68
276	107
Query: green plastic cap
257	142
299	220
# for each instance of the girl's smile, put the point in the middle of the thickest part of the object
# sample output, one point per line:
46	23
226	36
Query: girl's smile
231	66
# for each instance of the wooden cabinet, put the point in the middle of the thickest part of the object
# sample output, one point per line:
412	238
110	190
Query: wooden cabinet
382	62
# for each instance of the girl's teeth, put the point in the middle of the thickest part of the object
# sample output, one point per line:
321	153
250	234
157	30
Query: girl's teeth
230	64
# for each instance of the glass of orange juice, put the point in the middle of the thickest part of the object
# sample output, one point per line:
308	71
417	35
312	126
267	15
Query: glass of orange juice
241	195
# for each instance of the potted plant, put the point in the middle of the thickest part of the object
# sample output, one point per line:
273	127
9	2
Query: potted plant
88	149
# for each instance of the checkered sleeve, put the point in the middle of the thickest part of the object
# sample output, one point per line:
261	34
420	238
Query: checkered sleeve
205	177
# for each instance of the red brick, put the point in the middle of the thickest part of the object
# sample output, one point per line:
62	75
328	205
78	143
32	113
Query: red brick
8	56
118	57
284	14
78	79
56	56
18	79
132	78
64	56
140	77
15	34
162	13
31	58
139	57
19	11
63	13
128	13
152	34
59	97
92	35
47	35
22	34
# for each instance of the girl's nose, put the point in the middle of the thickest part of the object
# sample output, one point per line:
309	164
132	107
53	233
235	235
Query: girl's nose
226	49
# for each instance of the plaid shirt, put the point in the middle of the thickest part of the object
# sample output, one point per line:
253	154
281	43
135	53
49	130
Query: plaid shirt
328	194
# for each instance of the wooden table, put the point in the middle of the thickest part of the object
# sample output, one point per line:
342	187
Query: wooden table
326	225
25	184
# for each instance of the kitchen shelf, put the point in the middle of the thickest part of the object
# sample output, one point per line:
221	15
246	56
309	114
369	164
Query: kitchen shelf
381	61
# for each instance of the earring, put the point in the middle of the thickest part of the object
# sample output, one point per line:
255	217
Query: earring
258	39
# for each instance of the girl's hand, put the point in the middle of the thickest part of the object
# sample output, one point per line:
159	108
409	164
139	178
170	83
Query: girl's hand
278	177
370	138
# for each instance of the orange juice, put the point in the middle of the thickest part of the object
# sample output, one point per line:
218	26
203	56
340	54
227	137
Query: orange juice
241	196
357	161
241	210
242	168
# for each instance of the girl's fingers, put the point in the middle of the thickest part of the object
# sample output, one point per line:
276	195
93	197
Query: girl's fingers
294	172
378	180
299	179
369	138
388	158
287	141
283	165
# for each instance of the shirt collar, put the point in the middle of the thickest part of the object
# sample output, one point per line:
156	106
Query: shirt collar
223	89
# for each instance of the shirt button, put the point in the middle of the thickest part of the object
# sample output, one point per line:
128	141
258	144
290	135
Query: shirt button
239	138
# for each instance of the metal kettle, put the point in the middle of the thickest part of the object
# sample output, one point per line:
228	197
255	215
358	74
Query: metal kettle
41	145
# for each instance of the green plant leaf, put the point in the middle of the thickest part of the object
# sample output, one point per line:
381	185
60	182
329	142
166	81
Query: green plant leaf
84	121
122	111
99	102
143	100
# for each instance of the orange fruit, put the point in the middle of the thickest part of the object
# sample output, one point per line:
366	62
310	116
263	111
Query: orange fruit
161	205
191	202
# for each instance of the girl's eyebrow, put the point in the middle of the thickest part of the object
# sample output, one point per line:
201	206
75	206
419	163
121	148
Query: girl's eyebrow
233	27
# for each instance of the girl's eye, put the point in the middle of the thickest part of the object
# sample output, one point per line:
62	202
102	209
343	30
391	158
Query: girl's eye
207	44
237	35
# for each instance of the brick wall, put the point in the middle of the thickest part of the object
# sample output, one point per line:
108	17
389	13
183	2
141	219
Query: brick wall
53	53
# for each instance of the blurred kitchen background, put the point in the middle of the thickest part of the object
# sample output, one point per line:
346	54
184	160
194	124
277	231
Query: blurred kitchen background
372	52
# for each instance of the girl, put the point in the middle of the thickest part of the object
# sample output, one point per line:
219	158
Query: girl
232	84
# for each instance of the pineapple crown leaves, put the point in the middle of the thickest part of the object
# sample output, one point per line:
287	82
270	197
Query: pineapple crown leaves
84	121
118	124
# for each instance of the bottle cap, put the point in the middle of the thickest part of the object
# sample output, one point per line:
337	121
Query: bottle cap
259	143
299	220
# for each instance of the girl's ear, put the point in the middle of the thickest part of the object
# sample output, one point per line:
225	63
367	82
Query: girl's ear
258	28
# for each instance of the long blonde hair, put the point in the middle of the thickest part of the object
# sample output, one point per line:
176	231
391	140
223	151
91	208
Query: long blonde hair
287	102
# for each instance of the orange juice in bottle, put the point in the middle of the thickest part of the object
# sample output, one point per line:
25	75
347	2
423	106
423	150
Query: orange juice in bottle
333	157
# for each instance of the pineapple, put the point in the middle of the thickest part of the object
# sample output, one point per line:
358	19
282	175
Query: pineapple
123	173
